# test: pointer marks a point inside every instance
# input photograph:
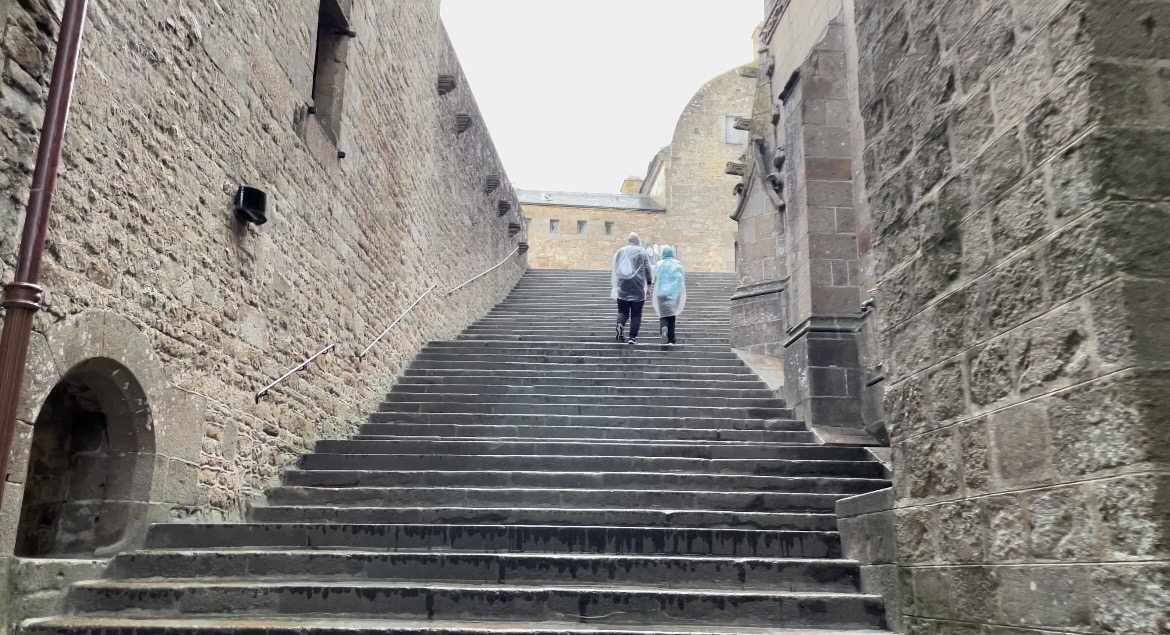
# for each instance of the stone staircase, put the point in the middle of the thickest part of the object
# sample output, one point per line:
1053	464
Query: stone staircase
532	476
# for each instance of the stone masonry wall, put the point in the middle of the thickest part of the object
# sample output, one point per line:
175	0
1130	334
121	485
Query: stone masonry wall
1015	164
593	249
177	103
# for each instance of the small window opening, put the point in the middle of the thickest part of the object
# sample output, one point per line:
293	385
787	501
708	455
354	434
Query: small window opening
554	226
329	67
580	227
609	229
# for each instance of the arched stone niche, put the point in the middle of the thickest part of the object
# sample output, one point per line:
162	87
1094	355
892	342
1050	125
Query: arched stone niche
103	436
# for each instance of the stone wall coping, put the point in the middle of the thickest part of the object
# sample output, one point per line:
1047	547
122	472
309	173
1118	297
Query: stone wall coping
872	503
635	202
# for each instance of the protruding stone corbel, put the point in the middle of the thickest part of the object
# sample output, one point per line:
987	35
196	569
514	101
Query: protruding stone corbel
775	181
743	123
513	229
737	169
491	183
447	83
750	72
504	207
463	122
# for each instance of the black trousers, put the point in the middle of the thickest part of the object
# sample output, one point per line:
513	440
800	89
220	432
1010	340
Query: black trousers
668	324
632	312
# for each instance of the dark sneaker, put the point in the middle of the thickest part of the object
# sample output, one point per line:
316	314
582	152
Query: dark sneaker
621	332
632	342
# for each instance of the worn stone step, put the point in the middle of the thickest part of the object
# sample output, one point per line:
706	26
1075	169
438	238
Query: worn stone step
632	374
374	598
600	355
856	468
635	381
596	480
732	395
511	515
658	571
676	399
583	365
331	626
557	348
454	431
597	336
480	447
660	409
754	543
543	497
380	419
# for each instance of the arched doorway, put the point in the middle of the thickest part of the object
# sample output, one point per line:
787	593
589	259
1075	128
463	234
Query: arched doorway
91	463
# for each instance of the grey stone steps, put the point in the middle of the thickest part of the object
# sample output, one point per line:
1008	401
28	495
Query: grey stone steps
608	355
599	337
678	399
658	571
585	409
856	468
332	626
636	374
557	348
512	515
594	364
533	498
456	431
560	447
601	393
479	602
597	480
748	543
383	422
636	382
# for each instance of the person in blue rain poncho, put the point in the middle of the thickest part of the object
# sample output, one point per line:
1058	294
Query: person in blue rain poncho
631	276
670	293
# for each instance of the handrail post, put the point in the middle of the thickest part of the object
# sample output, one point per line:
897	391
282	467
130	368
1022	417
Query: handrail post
22	297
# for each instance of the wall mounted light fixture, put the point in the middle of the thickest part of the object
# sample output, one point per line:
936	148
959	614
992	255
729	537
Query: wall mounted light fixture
251	205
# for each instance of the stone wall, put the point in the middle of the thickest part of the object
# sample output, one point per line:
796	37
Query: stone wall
1015	158
593	249
177	104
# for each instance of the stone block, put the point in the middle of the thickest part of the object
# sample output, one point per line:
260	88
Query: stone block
905	408
1061	526
1020	218
1076	260
1020	448
1054	351
932	465
990	372
961	528
974	591
1131	598
1134	516
885	580
40	376
948	399
989	42
1052	597
998	169
10	517
973	449
1007	531
958	321
917	531
932	592
1132	319
1015	293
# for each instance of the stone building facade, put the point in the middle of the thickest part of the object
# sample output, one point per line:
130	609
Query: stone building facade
164	315
682	201
1005	208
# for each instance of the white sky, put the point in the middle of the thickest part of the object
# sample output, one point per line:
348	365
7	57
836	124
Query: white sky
580	94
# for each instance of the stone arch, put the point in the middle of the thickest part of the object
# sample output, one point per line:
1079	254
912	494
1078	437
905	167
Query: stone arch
91	463
108	357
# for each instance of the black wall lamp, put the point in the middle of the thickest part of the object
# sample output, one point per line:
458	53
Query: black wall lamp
251	205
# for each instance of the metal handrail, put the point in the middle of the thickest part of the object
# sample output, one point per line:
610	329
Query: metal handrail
410	308
294	370
502	263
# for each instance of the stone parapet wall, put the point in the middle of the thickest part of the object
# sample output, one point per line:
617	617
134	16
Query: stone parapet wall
177	104
593	249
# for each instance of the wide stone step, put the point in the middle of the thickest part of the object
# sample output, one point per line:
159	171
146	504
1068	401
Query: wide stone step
598	337
332	626
635	374
635	382
724	395
672	572
455	431
615	540
594	448
854	468
608	355
455	418
582	480
404	393
662	409
532	498
511	515
580	348
375	598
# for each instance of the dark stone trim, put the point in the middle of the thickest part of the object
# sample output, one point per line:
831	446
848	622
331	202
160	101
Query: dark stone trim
761	289
850	324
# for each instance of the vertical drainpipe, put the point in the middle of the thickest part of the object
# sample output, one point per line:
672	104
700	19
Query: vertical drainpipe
22	297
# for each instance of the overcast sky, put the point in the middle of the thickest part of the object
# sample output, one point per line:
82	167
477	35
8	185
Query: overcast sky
580	94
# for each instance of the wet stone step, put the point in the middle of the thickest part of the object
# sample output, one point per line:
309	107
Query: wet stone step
603	394
388	423
677	399
745	543
582	480
615	605
510	515
659	571
652	465
393	431
530	497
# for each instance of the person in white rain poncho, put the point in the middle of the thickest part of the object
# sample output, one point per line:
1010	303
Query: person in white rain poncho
670	293
631	276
